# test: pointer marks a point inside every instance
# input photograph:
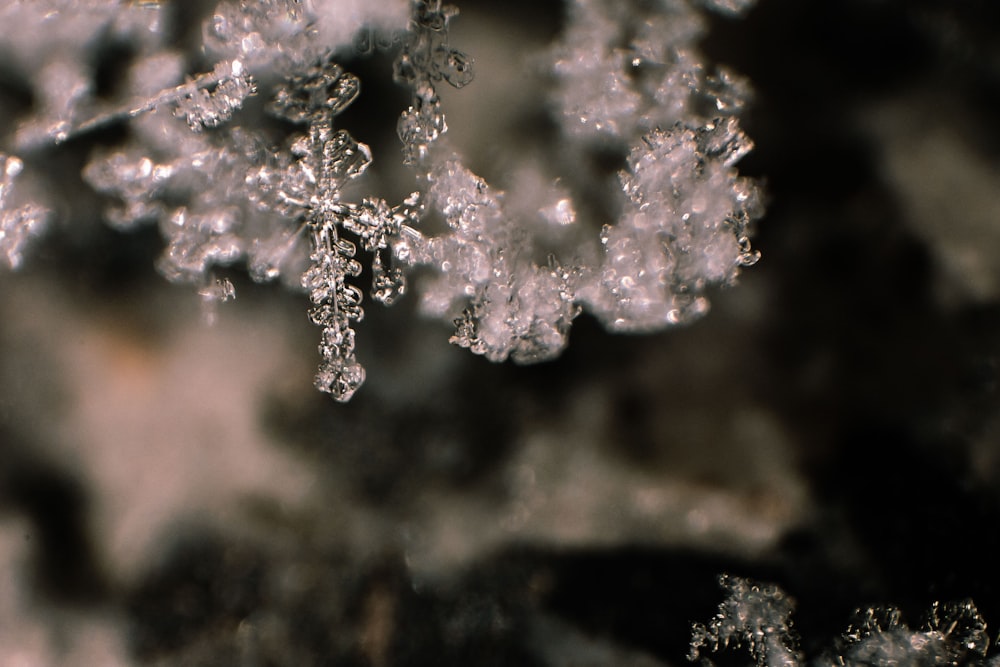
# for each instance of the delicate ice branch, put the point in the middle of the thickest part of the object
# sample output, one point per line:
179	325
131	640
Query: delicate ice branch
201	107
425	59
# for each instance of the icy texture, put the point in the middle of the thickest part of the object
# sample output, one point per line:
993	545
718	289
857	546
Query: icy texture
758	617
623	69
227	189
952	634
19	225
208	109
327	160
262	33
219	290
752	615
512	306
195	191
683	228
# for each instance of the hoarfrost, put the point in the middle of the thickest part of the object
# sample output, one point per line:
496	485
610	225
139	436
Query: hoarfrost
512	307
511	275
683	228
758	617
752	615
622	69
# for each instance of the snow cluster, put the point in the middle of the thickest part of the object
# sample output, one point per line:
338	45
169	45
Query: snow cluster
627	77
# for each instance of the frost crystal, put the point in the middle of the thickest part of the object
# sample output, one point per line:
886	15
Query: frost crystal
262	32
625	68
424	60
512	306
310	189
683	227
752	615
511	271
56	39
952	634
203	109
758	617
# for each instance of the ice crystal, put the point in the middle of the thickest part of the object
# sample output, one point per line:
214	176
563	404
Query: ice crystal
752	615
758	617
424	60
622	69
204	109
512	306
262	32
219	290
683	227
204	226
952	634
511	272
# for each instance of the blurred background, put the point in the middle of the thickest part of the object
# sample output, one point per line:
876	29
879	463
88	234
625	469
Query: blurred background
178	494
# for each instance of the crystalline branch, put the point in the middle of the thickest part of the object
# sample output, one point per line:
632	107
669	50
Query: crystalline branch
426	58
326	159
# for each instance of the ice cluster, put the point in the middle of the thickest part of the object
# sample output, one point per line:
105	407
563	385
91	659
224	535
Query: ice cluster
752	615
758	617
225	189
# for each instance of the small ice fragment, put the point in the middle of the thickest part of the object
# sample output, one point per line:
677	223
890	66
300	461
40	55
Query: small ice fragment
213	293
560	213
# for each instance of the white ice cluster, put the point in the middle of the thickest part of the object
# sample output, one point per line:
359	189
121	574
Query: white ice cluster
758	617
625	68
684	227
225	189
512	307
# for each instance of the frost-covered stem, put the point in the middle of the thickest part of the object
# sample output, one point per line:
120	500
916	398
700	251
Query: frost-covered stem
226	71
